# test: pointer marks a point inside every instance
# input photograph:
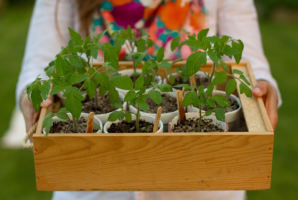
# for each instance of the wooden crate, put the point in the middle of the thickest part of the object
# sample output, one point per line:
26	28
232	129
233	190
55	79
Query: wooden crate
161	161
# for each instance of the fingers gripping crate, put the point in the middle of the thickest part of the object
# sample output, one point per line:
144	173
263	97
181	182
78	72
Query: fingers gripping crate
160	161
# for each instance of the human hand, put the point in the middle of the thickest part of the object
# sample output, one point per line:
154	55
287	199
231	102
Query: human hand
30	114
268	93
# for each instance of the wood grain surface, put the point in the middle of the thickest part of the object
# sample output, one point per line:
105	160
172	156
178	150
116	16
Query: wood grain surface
153	162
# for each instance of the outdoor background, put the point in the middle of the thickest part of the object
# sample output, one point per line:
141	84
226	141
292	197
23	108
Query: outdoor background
279	28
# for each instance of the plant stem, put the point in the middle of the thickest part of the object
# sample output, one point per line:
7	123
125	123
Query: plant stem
212	73
200	119
138	120
75	127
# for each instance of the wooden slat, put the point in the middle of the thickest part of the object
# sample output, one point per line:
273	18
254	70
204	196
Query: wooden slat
253	108
42	115
153	161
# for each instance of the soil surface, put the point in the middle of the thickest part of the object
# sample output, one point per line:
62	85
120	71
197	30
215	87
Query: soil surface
233	103
190	125
130	127
200	80
67	127
169	104
104	105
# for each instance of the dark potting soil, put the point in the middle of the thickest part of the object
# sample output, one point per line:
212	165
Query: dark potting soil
190	125
104	105
169	104
130	127
234	105
67	127
200	80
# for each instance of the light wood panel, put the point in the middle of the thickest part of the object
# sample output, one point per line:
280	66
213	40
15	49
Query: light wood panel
253	108
153	162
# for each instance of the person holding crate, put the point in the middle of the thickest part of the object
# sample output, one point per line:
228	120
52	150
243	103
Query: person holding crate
49	31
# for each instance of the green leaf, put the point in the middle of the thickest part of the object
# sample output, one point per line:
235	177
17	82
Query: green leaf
110	54
202	34
141	45
242	77
94	53
221	100
50	70
213	56
62	115
186	86
171	79
210	89
86	41
208	112
76	37
224	65
212	39
220	77
155	96
48	122
165	87
75	61
122	82
139	82
239	47
139	59
236	71
225	38
99	36
160	54
80	78
36	98
187	100
142	104
128	116
116	115
231	86
102	91
175	42
103	80
45	89
194	62
211	102
56	89
245	89
60	65
91	87
73	101
114	95
130	95
220	115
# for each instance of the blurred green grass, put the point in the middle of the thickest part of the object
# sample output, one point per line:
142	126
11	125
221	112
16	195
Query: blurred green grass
280	44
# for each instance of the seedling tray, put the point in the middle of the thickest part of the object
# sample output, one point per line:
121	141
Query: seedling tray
160	161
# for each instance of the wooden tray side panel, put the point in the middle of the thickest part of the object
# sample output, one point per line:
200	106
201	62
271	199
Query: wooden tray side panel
253	108
159	162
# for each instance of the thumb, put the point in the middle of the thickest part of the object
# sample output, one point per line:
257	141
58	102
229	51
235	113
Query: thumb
260	89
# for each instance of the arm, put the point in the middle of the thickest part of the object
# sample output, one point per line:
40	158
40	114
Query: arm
43	43
239	20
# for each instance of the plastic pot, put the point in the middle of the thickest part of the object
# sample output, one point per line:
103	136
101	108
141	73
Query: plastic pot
85	115
144	117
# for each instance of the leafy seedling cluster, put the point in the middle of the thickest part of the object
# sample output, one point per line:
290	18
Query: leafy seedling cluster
215	48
